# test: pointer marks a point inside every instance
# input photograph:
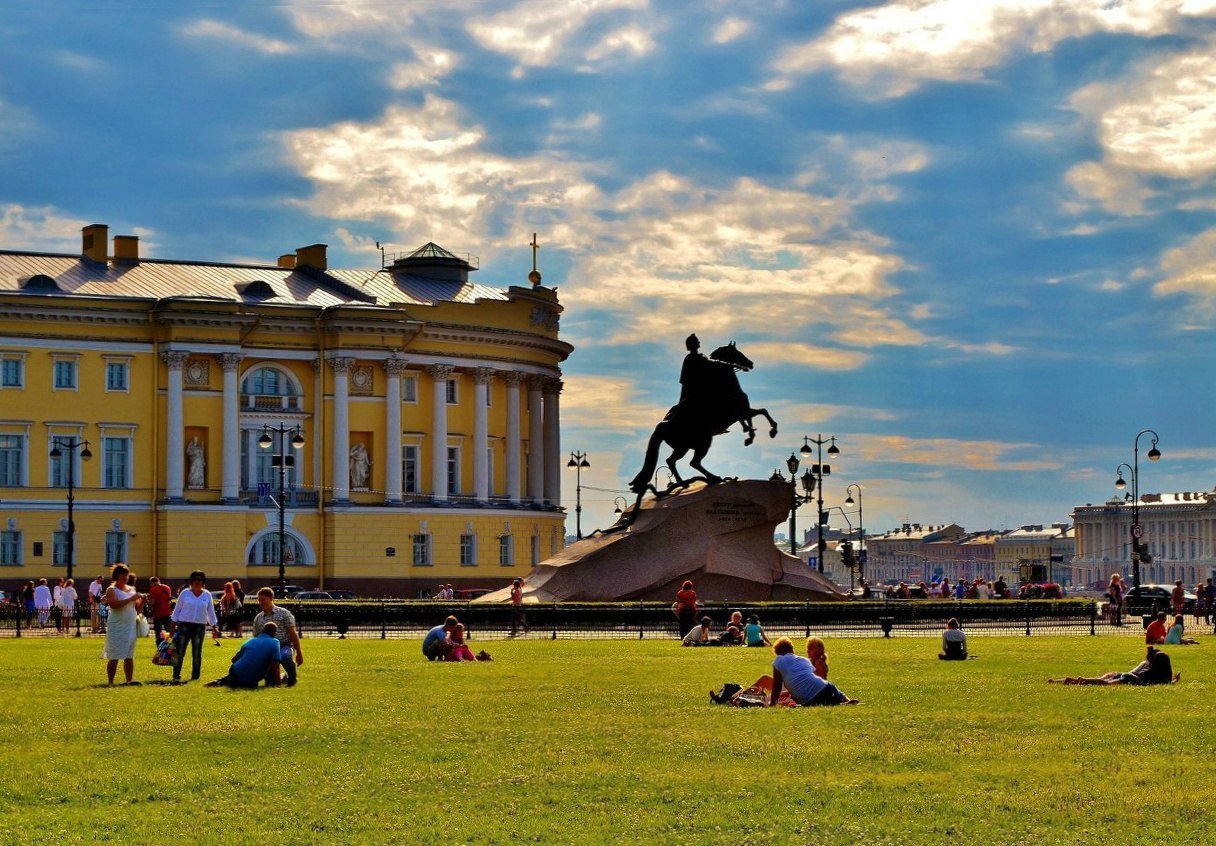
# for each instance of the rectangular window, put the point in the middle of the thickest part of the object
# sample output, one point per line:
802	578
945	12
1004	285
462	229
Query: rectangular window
453	470
116	548
12	373
10	549
505	551
116	375
116	460
58	476
65	374
452	395
59	549
12	453
409	469
422	550
468	550
409	389
535	550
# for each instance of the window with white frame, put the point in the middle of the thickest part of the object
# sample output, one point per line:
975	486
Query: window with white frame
116	462
422	550
116	548
453	470
409	388
57	475
409	469
266	551
12	461
117	375
65	374
468	550
453	396
10	548
59	549
506	551
12	372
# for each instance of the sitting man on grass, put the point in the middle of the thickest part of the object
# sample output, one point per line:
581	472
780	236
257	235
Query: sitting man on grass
291	654
1156	631
797	676
437	643
954	642
1154	669
257	659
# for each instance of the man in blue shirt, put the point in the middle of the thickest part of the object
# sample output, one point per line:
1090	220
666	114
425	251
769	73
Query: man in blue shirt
256	658
434	645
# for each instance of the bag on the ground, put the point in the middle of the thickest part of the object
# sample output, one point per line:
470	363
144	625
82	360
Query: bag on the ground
141	626
165	653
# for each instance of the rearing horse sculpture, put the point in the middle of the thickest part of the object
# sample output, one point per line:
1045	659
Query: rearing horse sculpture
714	402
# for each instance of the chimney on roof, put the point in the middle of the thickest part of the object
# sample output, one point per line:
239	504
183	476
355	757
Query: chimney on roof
287	260
312	256
94	239
126	248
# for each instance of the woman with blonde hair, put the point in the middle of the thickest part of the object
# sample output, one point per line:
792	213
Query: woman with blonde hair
124	604
817	654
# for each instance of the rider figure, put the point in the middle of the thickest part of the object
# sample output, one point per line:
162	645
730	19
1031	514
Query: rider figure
695	374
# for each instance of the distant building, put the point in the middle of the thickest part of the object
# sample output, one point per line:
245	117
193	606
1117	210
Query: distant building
428	407
910	553
1179	534
1036	553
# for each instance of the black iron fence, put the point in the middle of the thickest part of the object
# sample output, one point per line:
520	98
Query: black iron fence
641	620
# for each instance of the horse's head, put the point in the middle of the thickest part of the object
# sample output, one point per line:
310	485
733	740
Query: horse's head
730	354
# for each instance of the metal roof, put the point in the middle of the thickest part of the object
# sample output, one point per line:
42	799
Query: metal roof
158	279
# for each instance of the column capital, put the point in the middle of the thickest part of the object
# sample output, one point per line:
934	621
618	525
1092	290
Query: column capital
394	366
341	365
551	385
512	378
483	375
536	382
440	372
230	361
174	359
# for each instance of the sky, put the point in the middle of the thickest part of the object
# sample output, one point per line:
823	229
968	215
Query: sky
974	240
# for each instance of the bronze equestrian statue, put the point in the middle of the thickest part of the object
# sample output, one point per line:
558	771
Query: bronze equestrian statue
711	401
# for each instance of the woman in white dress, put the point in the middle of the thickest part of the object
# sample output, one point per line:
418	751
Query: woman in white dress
124	604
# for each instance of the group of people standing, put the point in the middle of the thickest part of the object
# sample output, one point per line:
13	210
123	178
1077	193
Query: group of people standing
186	622
41	602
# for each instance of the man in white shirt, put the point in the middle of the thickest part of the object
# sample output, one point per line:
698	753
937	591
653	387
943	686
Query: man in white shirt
96	588
42	602
192	614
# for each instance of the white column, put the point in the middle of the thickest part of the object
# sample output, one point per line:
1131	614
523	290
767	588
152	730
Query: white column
440	374
393	367
175	440
536	440
553	442
341	440
482	377
512	379
231	475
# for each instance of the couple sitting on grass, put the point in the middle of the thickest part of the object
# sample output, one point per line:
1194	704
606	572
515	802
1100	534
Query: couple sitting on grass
1154	669
736	633
795	680
446	643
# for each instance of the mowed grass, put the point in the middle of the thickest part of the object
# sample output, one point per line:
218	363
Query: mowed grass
609	742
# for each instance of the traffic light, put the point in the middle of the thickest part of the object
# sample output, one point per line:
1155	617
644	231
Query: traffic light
846	555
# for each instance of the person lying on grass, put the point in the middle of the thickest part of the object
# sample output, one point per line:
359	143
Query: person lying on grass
797	676
1154	669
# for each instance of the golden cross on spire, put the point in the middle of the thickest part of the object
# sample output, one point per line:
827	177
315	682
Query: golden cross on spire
534	276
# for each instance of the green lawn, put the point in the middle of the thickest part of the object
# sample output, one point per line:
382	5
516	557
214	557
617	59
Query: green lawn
609	742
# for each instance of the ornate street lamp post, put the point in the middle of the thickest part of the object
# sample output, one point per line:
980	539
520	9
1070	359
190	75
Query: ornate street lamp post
812	481
861	529
578	460
282	460
58	445
1137	531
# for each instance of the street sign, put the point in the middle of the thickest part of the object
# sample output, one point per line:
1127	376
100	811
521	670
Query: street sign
1137	531
263	489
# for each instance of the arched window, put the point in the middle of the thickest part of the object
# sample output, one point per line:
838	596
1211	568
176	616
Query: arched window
264	550
270	388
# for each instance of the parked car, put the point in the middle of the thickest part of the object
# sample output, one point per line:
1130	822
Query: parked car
472	593
286	591
1157	597
342	594
313	594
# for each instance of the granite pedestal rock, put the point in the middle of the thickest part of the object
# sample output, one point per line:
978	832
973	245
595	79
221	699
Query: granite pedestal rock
720	536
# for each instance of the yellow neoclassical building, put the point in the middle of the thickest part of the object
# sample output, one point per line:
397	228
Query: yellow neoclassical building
419	411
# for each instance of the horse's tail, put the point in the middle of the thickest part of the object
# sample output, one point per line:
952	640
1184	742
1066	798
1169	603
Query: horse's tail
642	479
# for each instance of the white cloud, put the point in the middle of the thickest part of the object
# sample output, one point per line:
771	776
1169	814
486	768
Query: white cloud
607	404
236	37
40	228
1191	269
429	68
895	48
540	33
730	29
947	452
